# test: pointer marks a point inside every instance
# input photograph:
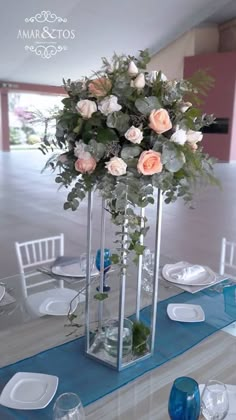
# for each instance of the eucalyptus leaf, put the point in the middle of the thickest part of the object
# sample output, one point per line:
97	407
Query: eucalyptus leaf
129	152
106	135
172	158
119	121
146	105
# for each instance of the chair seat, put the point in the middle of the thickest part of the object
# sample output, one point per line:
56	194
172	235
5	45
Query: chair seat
51	298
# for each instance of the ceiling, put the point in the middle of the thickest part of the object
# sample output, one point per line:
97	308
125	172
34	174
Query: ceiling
101	27
225	13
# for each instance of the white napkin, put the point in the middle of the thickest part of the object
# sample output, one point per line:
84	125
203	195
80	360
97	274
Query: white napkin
188	273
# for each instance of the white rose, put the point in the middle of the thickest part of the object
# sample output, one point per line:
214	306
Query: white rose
152	76
116	166
163	77
79	148
139	81
184	106
86	108
132	69
109	105
180	136
194	136
134	135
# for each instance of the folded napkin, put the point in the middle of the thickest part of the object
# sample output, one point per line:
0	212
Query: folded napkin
188	273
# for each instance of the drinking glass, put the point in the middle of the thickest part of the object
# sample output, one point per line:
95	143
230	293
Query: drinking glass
214	401
148	271
106	267
83	263
184	401
68	406
111	337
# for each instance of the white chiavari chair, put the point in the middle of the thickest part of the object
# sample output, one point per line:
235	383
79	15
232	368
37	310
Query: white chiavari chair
228	258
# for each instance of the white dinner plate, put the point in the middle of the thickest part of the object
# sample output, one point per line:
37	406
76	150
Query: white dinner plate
232	400
201	279
71	270
58	304
183	312
2	292
29	391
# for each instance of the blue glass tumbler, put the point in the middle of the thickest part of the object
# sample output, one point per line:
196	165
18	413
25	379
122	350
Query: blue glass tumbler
184	401
107	266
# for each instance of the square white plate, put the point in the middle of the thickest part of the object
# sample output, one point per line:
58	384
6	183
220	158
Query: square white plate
183	312
71	270
232	400
29	391
58	304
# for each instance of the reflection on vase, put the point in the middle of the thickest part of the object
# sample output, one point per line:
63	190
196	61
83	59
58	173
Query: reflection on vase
111	337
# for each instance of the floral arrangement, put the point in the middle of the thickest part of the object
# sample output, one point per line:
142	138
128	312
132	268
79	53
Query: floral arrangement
125	131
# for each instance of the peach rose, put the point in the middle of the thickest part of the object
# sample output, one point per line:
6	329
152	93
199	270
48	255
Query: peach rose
149	163
99	87
160	121
85	165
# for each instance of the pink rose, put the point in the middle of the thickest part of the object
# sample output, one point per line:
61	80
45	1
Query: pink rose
160	121
85	165
149	163
100	87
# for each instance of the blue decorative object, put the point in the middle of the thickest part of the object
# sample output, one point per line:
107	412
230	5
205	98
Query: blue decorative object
107	266
184	401
91	381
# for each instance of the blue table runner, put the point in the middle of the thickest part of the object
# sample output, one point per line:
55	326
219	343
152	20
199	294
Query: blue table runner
91	380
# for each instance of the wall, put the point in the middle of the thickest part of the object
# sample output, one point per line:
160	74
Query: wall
227	33
171	59
219	101
197	41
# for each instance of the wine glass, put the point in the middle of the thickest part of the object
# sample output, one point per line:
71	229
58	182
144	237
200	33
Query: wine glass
214	401
83	263
106	267
68	406
184	401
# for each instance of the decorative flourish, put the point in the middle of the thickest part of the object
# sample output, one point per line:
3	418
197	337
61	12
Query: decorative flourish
45	51
45	16
126	131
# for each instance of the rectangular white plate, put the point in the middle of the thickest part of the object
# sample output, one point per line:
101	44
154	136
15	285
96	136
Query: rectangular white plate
232	400
183	312
29	391
206	277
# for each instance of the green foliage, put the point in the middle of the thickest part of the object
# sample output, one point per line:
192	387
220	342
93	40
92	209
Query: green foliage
100	136
101	296
140	338
146	105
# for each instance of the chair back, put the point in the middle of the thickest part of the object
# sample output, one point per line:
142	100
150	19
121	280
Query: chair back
228	258
34	253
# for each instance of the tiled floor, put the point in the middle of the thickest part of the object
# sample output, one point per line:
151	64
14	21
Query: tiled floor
31	207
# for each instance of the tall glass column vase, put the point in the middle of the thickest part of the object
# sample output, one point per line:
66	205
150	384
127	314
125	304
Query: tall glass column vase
112	342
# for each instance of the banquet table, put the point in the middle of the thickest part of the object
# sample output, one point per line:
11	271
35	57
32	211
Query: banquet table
23	335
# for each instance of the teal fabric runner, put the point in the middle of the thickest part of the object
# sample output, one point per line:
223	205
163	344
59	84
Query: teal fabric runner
91	380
